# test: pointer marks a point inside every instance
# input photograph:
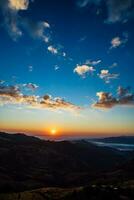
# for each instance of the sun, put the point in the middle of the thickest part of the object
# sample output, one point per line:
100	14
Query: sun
53	131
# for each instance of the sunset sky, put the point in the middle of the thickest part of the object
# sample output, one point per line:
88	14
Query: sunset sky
67	67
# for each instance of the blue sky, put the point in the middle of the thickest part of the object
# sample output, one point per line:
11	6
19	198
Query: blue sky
73	57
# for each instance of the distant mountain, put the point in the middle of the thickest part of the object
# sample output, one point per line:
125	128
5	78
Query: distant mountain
119	140
27	162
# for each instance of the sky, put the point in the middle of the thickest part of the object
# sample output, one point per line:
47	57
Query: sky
66	67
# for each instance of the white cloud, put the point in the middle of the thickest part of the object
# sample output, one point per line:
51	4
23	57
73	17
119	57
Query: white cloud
18	4
117	41
93	62
82	70
46	24
52	49
64	54
31	86
107	76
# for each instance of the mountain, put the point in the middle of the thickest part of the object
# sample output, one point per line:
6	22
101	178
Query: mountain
28	162
119	140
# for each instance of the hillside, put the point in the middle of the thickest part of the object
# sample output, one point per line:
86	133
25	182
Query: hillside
28	162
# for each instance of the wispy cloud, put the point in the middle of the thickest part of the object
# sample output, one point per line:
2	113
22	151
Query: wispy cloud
107	76
15	23
93	62
2	81
82	38
30	68
82	70
56	67
117	10
37	30
115	64
117	41
18	25
30	86
85	3
10	9
106	100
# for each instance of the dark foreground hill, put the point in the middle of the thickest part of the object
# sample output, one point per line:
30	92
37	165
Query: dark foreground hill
28	163
80	193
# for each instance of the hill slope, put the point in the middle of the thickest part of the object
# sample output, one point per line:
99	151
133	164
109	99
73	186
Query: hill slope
28	162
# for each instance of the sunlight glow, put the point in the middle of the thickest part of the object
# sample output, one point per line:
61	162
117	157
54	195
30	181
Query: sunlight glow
53	131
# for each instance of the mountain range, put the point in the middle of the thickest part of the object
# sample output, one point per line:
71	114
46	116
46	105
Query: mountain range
28	163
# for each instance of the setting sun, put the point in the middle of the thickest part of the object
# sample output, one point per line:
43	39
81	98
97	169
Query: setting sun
53	131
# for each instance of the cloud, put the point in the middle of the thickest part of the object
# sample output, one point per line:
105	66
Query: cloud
82	39
30	86
18	4
113	65
46	24
10	9
56	67
12	91
106	100
107	76
52	49
85	3
2	81
117	41
117	10
13	95
30	68
82	70
93	62
122	91
15	23
58	50
57	103
64	54
37	30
